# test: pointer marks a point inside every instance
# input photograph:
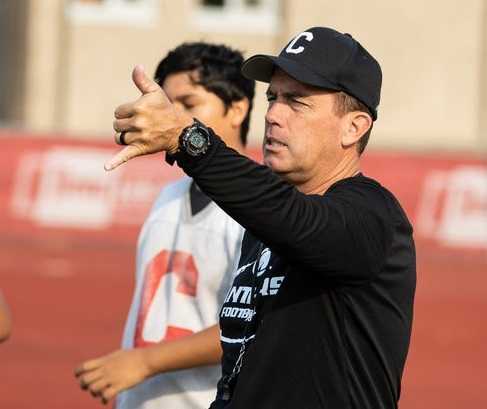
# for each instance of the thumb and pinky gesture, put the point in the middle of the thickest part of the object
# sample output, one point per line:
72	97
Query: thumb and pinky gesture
148	125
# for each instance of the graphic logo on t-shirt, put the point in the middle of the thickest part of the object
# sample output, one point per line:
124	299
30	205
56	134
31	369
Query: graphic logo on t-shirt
240	296
265	257
161	270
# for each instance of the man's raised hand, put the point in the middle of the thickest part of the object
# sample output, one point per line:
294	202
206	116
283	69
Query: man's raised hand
150	124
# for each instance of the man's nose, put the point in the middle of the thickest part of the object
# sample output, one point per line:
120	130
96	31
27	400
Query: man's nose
275	113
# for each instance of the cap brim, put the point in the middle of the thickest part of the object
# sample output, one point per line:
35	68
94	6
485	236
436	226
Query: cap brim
261	67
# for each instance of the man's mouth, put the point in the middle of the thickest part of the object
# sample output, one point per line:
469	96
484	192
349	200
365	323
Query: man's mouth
272	143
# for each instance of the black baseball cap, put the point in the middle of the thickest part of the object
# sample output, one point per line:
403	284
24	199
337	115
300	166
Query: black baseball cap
324	58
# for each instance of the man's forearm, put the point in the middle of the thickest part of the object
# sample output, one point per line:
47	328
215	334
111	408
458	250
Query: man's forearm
285	219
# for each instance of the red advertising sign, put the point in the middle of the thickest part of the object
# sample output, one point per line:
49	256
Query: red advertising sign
58	185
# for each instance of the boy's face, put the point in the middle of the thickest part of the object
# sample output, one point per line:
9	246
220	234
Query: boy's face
184	92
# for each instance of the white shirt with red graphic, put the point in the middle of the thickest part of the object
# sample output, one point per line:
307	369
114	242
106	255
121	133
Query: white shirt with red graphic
184	267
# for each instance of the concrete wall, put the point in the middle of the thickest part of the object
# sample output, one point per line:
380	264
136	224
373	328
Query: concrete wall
100	62
13	44
482	108
433	56
44	83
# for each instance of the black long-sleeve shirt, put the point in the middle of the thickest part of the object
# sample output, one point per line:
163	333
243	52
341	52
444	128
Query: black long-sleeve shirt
332	278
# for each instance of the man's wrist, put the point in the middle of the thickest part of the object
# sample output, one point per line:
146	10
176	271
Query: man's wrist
175	140
189	162
174	148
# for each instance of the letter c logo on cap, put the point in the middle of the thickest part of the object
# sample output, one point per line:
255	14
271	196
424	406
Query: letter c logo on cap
290	48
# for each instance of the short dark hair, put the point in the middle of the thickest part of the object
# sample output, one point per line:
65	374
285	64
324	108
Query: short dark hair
218	68
344	104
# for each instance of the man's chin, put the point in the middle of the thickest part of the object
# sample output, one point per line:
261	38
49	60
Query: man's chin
271	162
276	166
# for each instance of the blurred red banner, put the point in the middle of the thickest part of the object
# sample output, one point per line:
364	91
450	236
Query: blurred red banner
58	186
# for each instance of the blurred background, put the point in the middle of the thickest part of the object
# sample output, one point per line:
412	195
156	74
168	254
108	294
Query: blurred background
68	230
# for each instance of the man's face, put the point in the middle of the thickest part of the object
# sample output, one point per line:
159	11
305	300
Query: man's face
201	104
302	139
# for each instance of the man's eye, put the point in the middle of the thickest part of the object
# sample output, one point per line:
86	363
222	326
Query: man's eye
271	98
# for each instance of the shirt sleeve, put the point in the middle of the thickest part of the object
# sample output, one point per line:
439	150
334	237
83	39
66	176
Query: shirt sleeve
344	234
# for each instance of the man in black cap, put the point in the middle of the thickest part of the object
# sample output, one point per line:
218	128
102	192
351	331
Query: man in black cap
320	311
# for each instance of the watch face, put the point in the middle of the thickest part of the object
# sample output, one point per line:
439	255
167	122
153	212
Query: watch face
196	140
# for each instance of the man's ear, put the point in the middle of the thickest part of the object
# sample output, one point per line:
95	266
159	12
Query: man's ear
238	111
357	123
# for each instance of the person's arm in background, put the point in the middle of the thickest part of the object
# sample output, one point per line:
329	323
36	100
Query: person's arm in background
111	374
5	320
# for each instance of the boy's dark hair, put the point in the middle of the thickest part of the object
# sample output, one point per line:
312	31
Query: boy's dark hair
218	69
